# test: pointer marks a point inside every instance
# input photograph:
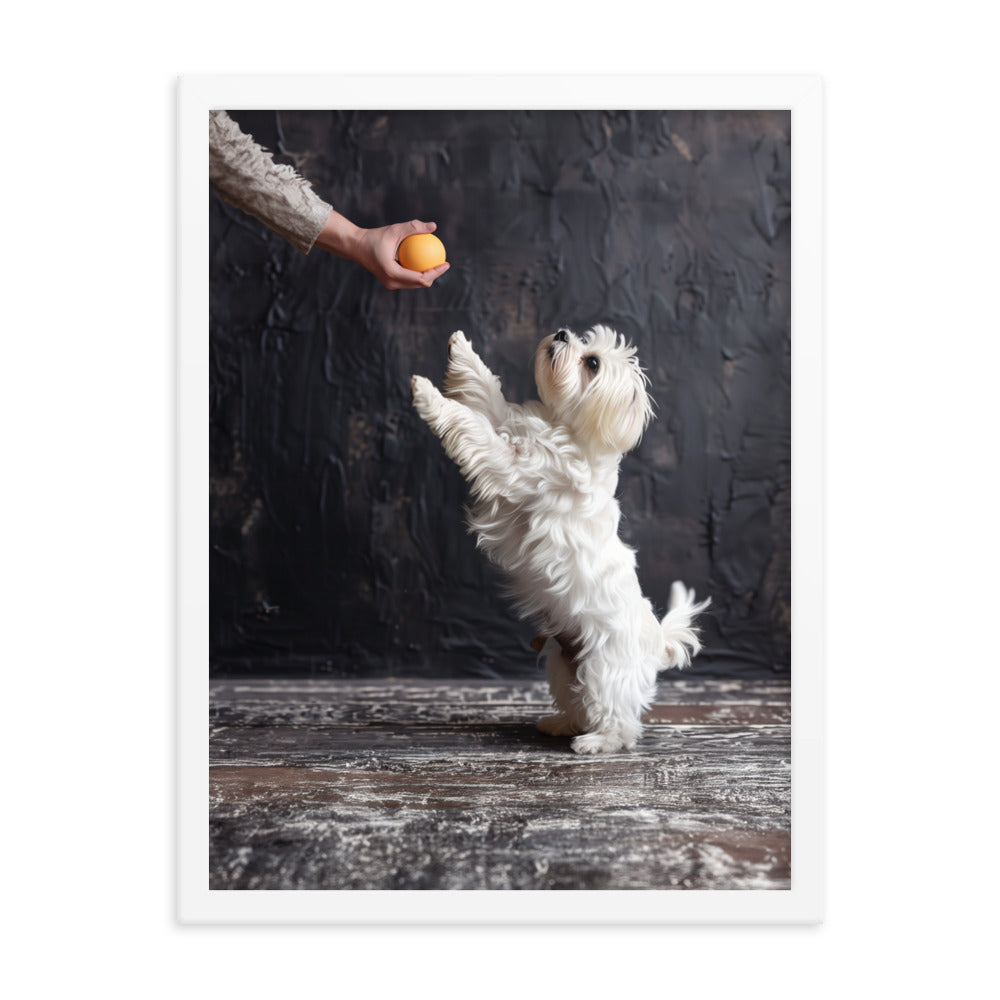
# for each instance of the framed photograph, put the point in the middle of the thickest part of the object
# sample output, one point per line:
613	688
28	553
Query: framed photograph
500	500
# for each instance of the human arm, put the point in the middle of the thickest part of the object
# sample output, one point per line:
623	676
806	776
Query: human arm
246	176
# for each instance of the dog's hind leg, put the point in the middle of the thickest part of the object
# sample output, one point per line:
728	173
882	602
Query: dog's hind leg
616	684
561	675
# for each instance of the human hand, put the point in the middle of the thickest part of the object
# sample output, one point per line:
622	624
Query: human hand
381	247
375	250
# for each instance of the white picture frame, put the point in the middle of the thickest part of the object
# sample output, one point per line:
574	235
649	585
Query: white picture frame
196	902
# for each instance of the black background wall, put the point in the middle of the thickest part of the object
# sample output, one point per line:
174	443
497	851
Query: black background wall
337	537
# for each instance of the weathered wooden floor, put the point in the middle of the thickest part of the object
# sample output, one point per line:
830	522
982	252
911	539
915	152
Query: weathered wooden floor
417	784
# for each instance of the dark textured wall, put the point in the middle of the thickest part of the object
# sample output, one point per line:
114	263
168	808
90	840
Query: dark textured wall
337	537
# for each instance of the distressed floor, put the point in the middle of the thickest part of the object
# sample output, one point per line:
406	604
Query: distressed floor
419	784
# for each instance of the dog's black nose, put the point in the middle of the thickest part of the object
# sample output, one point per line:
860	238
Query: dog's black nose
561	336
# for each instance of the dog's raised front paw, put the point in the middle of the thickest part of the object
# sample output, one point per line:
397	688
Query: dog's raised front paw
458	342
426	398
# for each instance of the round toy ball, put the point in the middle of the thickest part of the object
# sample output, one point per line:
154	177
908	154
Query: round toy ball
421	252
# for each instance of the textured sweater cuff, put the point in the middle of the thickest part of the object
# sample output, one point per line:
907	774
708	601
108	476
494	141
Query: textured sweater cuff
246	176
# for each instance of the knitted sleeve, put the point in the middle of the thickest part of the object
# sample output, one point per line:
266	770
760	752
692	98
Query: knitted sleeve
247	177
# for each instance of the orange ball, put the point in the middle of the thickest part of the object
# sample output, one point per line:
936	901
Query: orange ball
421	252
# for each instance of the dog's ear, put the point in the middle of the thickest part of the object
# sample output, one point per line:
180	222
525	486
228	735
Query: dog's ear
628	431
618	419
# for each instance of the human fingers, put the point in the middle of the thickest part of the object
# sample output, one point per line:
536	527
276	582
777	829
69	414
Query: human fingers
395	276
434	273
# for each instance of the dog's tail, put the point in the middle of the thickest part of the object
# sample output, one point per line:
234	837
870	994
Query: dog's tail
680	636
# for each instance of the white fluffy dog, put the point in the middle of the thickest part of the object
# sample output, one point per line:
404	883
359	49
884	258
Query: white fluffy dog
543	479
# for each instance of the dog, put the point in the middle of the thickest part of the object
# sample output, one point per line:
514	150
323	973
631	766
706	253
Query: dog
543	477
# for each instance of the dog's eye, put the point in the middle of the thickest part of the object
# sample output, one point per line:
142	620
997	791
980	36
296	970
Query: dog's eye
593	365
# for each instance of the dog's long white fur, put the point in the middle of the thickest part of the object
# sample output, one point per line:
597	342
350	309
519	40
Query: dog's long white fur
543	477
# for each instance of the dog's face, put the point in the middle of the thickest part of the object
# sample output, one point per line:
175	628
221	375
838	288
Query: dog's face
593	384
